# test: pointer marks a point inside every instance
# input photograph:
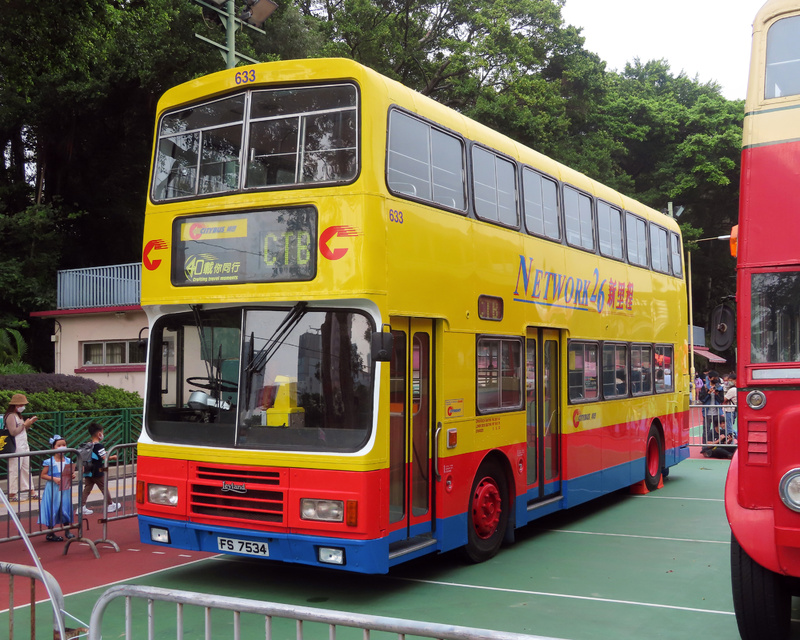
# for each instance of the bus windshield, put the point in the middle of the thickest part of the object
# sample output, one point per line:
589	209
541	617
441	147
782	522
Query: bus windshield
775	317
285	379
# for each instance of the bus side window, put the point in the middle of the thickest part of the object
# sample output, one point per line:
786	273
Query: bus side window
783	59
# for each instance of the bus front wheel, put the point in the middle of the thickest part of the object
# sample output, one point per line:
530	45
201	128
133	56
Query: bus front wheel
653	457
487	518
762	599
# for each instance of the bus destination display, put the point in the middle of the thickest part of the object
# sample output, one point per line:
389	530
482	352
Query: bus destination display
276	245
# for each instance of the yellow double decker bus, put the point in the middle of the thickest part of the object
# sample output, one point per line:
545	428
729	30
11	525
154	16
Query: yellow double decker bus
380	330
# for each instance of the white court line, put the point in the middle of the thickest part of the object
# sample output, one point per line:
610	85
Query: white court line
569	597
651	497
630	535
109	584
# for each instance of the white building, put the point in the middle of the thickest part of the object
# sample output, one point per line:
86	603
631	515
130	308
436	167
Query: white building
98	325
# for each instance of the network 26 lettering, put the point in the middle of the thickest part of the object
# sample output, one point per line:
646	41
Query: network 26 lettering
553	289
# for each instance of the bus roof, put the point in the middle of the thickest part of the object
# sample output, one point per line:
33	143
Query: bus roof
308	69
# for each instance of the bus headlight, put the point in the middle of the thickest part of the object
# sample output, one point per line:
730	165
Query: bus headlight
324	510
162	494
756	399
789	489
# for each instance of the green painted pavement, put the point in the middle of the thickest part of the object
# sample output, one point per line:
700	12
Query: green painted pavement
621	567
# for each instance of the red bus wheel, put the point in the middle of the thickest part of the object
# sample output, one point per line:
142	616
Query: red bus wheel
653	459
488	513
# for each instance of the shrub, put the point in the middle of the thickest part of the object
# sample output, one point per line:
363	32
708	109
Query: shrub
59	392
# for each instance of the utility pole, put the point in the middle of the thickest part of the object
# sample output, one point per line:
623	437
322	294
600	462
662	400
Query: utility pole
253	16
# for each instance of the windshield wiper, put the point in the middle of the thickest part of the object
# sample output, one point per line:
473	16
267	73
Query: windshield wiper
277	338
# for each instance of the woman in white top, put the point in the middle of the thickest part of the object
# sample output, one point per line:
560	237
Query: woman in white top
19	469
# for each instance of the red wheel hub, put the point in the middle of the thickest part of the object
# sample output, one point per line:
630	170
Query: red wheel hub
653	460
486	507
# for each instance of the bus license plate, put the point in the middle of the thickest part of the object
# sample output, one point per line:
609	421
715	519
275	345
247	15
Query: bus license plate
234	545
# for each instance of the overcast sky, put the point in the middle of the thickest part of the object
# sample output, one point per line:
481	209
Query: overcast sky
709	39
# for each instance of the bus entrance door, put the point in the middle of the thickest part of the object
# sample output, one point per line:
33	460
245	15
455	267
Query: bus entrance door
543	409
410	435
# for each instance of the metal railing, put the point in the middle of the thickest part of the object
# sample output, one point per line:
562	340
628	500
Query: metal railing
159	627
23	519
713	427
115	285
54	592
121	426
119	488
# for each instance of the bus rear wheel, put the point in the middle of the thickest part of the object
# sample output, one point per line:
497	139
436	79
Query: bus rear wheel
487	518
653	456
762	599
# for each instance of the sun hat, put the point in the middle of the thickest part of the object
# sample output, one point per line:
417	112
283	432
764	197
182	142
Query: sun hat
18	399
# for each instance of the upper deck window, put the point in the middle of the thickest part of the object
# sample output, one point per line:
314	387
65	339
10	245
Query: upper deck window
659	248
609	227
425	162
578	216
306	135
636	229
541	205
675	251
783	59
302	136
495	185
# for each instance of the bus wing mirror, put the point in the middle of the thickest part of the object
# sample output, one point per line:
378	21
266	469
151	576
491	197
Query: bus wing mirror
723	327
382	346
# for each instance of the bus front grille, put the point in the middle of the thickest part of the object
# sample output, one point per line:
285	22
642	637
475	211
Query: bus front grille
237	493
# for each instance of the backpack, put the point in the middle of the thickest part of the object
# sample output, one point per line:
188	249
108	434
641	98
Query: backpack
85	456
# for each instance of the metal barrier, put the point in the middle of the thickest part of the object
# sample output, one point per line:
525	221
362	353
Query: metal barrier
119	425
28	509
54	592
270	610
119	487
713	427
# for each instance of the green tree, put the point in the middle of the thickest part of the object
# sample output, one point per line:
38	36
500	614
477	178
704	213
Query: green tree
679	140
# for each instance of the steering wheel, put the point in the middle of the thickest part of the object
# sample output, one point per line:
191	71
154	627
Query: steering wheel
202	382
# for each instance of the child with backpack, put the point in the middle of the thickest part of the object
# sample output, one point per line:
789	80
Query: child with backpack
93	455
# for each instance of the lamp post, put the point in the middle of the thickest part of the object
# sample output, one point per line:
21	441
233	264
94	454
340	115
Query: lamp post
253	16
691	313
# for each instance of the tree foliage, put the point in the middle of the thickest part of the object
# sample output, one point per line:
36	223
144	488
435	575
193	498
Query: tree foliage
79	82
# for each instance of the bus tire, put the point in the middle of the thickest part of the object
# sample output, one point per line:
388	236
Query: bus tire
487	517
653	459
762	599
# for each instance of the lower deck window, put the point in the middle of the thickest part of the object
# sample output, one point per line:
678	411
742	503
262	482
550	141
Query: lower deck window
499	373
583	371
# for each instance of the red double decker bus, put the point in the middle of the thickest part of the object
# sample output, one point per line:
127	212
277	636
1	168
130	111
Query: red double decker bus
762	495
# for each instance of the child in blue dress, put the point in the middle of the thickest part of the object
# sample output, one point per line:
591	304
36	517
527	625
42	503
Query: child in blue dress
55	507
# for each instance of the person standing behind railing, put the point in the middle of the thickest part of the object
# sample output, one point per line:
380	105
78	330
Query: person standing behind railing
730	404
56	505
19	469
712	397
